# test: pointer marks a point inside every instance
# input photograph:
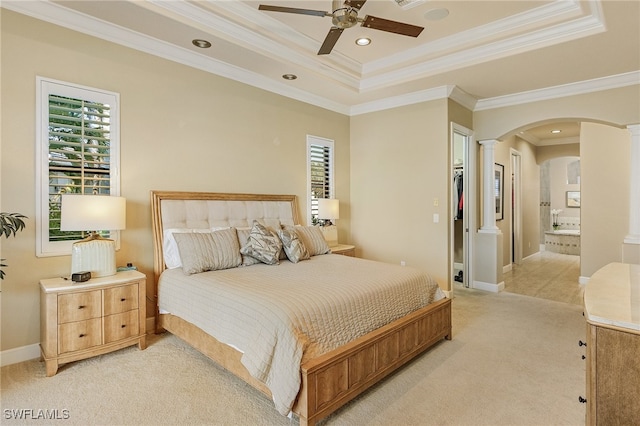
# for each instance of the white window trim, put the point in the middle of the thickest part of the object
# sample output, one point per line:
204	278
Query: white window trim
45	86
316	140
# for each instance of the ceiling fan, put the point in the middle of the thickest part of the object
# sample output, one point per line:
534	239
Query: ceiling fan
345	15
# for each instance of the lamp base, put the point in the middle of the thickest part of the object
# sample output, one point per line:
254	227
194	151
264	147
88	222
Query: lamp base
94	254
330	233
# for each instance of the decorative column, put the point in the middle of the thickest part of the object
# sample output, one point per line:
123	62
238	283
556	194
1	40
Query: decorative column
489	199
488	262
631	245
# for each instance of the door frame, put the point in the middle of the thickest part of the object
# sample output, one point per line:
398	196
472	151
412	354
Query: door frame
469	213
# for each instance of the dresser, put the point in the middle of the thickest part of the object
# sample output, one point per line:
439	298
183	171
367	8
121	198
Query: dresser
612	310
82	320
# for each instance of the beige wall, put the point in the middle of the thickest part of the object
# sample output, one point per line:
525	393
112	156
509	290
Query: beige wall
530	195
398	168
620	107
544	153
559	186
390	165
181	129
617	107
604	194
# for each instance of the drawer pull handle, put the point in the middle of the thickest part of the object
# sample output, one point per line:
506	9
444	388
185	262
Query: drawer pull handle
81	307
123	299
82	335
122	326
581	343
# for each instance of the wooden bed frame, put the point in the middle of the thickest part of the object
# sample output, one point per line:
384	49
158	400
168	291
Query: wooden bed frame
330	380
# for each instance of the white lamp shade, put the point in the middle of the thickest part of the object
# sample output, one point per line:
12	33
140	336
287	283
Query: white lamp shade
92	213
328	208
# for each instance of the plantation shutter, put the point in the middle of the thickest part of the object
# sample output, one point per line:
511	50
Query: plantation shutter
320	172
78	154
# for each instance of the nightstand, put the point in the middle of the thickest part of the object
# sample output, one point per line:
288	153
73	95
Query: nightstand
82	320
344	249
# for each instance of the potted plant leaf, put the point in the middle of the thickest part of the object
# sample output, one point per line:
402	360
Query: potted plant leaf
11	224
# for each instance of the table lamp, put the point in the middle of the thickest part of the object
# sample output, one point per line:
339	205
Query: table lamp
93	213
329	210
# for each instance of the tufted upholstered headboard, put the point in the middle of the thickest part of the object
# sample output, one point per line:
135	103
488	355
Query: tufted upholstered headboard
176	209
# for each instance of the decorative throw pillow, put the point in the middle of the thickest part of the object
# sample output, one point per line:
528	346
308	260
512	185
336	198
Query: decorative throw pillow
293	246
243	237
170	248
200	252
313	240
273	225
263	245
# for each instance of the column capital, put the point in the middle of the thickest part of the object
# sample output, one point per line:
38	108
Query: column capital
488	142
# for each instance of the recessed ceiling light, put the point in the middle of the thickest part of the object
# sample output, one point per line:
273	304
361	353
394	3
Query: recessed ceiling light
289	76
363	41
436	14
202	44
556	131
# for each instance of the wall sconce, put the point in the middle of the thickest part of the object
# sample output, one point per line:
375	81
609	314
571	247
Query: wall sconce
93	213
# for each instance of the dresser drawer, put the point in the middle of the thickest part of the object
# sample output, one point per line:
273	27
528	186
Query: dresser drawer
74	336
120	326
120	299
79	306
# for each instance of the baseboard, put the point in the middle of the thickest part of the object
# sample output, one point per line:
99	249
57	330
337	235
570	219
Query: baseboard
447	293
507	268
494	288
583	280
16	355
29	352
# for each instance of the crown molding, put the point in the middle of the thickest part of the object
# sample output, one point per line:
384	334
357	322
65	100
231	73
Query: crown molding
581	27
571	89
55	14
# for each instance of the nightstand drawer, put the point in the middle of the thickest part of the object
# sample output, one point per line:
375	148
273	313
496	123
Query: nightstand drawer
121	326
120	299
74	336
79	306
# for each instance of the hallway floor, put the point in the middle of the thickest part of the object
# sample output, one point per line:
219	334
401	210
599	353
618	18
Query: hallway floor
547	275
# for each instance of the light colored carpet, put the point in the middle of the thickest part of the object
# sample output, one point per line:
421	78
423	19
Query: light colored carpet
513	360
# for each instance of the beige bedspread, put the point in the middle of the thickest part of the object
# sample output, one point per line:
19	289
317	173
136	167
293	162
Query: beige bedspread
281	315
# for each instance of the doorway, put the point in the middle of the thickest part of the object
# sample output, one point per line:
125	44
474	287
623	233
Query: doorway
462	201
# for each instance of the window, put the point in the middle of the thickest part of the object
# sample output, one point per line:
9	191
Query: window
320	172
77	152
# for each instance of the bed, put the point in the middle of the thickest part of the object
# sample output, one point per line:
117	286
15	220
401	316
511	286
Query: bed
281	327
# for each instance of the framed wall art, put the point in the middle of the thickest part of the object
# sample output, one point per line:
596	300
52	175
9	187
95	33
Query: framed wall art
573	198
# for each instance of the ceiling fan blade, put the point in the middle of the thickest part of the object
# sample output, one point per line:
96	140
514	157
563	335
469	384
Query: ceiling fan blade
356	4
293	10
391	26
330	40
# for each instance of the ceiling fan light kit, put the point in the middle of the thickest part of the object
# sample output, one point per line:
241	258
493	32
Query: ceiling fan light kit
345	15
